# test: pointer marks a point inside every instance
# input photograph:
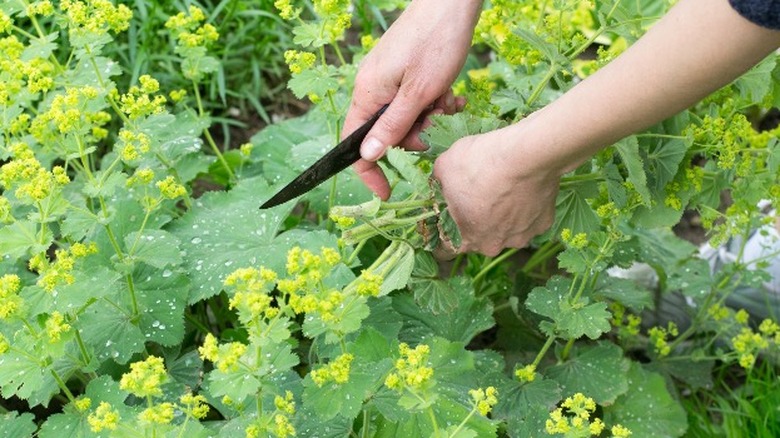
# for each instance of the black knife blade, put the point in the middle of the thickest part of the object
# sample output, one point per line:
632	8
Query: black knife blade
334	161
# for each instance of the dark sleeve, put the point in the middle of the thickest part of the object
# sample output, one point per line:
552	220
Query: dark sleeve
764	13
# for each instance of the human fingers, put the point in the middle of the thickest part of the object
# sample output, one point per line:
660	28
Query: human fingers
373	177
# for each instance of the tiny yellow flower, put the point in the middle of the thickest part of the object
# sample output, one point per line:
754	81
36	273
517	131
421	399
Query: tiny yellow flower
145	378
157	414
619	431
742	316
82	404
104	417
195	405
170	188
56	326
526	373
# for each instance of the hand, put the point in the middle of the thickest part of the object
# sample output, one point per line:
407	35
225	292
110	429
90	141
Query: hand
496	200
411	68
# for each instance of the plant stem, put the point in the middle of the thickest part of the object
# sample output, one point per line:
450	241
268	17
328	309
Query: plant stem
493	263
433	420
463	423
543	351
62	386
207	134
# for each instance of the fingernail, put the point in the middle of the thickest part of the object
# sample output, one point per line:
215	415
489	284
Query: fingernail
372	149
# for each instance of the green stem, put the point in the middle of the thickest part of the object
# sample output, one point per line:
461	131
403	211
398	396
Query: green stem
543	351
207	134
567	349
84	353
433	420
62	386
138	234
493	263
463	423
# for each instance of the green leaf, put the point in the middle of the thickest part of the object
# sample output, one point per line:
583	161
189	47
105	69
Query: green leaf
110	331
627	292
754	85
693	278
319	81
662	161
572	320
401	271
162	299
22	238
447	129
599	371
573	211
85	72
40	47
431	291
244	381
27	378
404	163
346	399
157	248
647	409
91	282
224	231
471	316
15	425
349	317
309	35
628	149
71	424
99	186
526	407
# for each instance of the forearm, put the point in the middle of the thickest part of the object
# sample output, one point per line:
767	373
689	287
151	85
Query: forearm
698	47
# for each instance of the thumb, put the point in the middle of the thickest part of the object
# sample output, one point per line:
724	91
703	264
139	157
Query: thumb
391	128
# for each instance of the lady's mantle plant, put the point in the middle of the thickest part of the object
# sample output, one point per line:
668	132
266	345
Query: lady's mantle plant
130	307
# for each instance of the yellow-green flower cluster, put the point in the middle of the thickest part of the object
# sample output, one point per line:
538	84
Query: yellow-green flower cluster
627	324
56	326
170	188
748	344
336	17
251	288
96	16
82	404
659	338
6	216
157	414
286	10
225	356
32	181
6	23
343	222
188	30
59	272
484	400
411	370
145	378
299	61
336	371
104	417
285	404
369	284
576	241
526	373
69	114
576	421
10	301
4	344
138	101
141	177
41	7
194	405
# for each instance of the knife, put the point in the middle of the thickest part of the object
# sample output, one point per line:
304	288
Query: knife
334	161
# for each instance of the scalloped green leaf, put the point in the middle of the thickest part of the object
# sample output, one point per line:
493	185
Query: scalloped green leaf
647	409
225	231
471	316
13	424
599	371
